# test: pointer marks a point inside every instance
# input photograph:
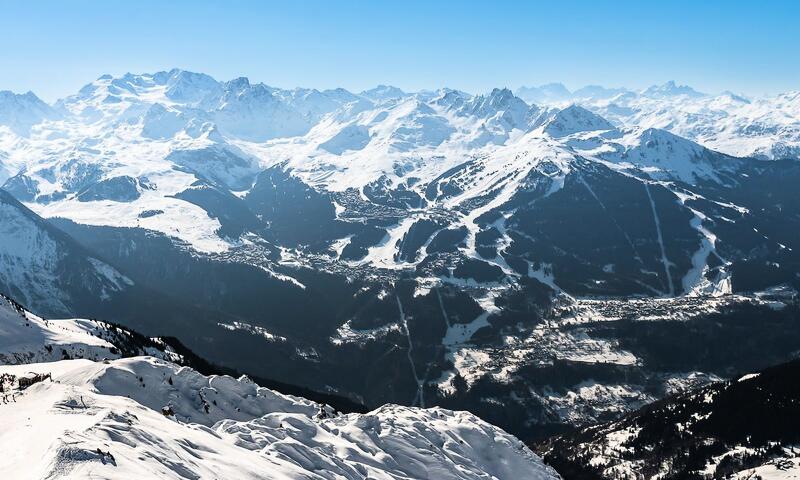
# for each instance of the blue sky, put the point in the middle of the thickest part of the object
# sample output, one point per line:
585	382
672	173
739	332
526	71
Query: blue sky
55	47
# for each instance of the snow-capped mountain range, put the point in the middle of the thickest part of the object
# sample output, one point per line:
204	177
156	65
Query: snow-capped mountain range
764	127
122	148
469	249
74	407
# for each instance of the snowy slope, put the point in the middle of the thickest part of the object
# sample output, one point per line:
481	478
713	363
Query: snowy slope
46	269
574	119
738	429
664	155
79	426
130	417
28	338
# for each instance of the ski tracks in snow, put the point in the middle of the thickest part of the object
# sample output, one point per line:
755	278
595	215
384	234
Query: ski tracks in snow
419	399
441	305
664	258
603	206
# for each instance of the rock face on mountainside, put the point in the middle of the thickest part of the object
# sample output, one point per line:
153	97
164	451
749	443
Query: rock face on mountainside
73	408
534	264
742	428
42	266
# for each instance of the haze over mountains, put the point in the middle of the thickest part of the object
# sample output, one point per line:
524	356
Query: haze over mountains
544	259
738	125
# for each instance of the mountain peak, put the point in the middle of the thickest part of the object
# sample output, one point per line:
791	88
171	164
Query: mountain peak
574	119
499	104
29	96
656	137
189	86
735	96
21	111
598	92
547	93
238	83
671	89
383	92
451	99
501	95
665	155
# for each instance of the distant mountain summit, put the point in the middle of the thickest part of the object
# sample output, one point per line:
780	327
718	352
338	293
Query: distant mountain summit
548	93
383	92
671	89
20	112
574	119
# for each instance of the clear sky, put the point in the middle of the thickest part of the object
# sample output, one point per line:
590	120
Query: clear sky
753	47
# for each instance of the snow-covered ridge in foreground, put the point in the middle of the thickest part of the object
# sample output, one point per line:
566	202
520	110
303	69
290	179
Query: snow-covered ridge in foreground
146	417
104	420
28	338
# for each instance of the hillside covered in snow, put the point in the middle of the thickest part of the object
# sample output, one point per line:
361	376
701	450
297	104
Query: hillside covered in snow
73	408
740	429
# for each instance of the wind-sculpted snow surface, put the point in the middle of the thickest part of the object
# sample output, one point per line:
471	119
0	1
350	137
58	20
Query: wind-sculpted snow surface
101	416
105	420
191	396
392	442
